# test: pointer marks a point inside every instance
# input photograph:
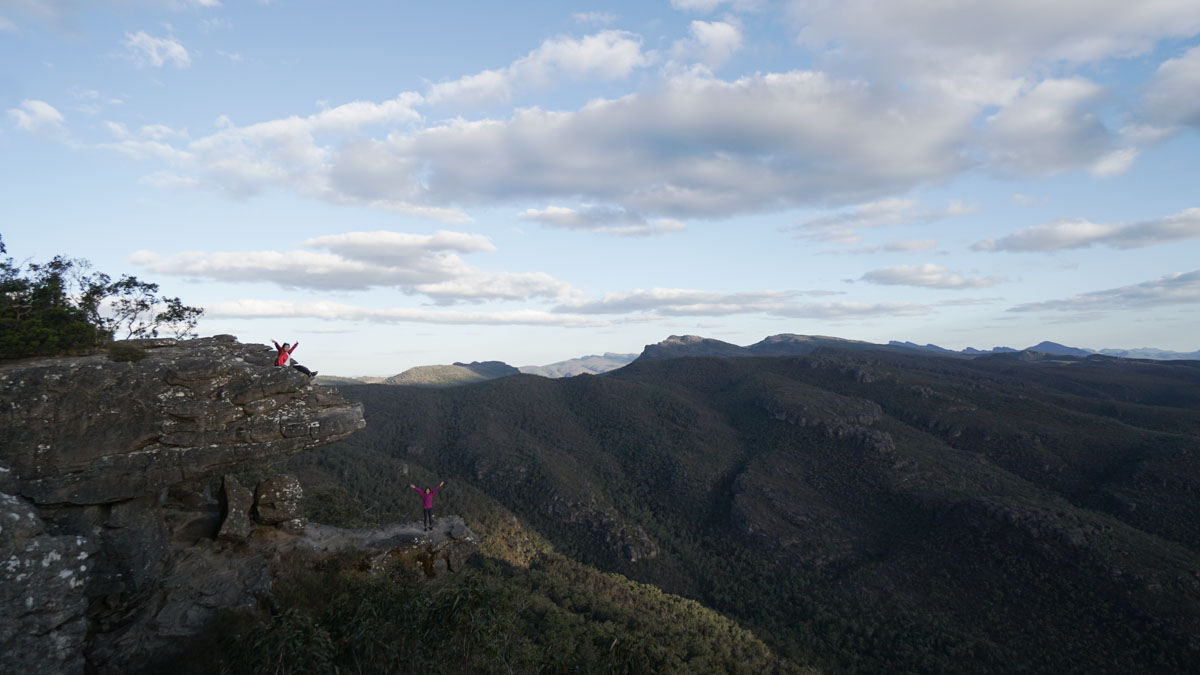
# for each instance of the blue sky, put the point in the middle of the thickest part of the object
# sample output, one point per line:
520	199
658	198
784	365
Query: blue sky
399	184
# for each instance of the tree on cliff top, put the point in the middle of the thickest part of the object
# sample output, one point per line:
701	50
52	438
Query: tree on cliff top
61	306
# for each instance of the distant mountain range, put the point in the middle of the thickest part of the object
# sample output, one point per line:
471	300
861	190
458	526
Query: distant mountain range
1057	349
676	346
592	365
432	376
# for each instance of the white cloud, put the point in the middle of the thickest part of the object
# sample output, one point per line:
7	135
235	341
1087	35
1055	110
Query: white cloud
712	43
387	247
981	49
682	302
841	227
1048	130
601	219
414	263
607	55
1171	289
7	26
1028	200
899	246
595	18
696	147
160	132
331	311
146	50
37	117
842	311
1171	95
910	245
708	6
165	180
928	276
691	302
1080	233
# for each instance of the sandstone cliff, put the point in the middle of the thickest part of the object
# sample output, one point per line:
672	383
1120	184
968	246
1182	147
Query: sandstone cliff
111	540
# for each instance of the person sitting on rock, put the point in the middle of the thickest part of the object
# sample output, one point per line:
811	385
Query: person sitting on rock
285	355
427	502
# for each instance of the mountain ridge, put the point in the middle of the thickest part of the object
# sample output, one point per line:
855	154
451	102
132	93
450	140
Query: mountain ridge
1020	511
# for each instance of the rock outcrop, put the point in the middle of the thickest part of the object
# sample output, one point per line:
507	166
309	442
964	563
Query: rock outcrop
108	532
403	546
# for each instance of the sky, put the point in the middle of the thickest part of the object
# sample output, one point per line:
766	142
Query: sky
395	184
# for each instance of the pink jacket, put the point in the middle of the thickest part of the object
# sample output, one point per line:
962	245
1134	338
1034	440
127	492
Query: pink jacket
284	355
427	497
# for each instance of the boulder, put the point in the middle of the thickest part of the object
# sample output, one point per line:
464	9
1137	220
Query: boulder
277	499
238	500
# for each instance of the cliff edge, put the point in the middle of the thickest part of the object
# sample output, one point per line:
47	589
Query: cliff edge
108	528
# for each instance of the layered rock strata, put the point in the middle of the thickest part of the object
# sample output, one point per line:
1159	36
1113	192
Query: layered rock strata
109	534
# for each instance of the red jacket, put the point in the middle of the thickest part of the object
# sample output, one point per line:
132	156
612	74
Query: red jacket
427	497
282	357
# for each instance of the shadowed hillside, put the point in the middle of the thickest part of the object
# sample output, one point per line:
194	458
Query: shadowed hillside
858	510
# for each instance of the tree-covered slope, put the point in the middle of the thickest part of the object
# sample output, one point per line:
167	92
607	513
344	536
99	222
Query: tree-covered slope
857	510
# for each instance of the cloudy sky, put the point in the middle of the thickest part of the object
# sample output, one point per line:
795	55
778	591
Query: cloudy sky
398	184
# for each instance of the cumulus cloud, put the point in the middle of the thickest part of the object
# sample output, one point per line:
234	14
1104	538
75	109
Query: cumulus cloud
711	43
602	219
607	55
695	146
244	160
1171	289
1080	233
1171	95
1049	129
419	264
37	117
983	50
146	50
332	311
698	147
928	276
687	146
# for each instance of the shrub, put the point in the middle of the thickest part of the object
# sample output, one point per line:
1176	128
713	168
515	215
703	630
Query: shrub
123	351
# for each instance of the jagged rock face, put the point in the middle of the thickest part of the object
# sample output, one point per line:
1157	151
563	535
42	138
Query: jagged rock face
108	560
89	430
42	600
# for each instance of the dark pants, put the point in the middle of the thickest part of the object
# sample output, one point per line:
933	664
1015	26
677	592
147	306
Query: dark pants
302	369
429	519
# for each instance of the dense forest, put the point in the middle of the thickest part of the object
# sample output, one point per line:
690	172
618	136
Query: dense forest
846	511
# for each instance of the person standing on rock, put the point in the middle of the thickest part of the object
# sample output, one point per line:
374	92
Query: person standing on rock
427	502
285	355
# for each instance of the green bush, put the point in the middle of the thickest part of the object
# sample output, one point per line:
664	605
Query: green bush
123	351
